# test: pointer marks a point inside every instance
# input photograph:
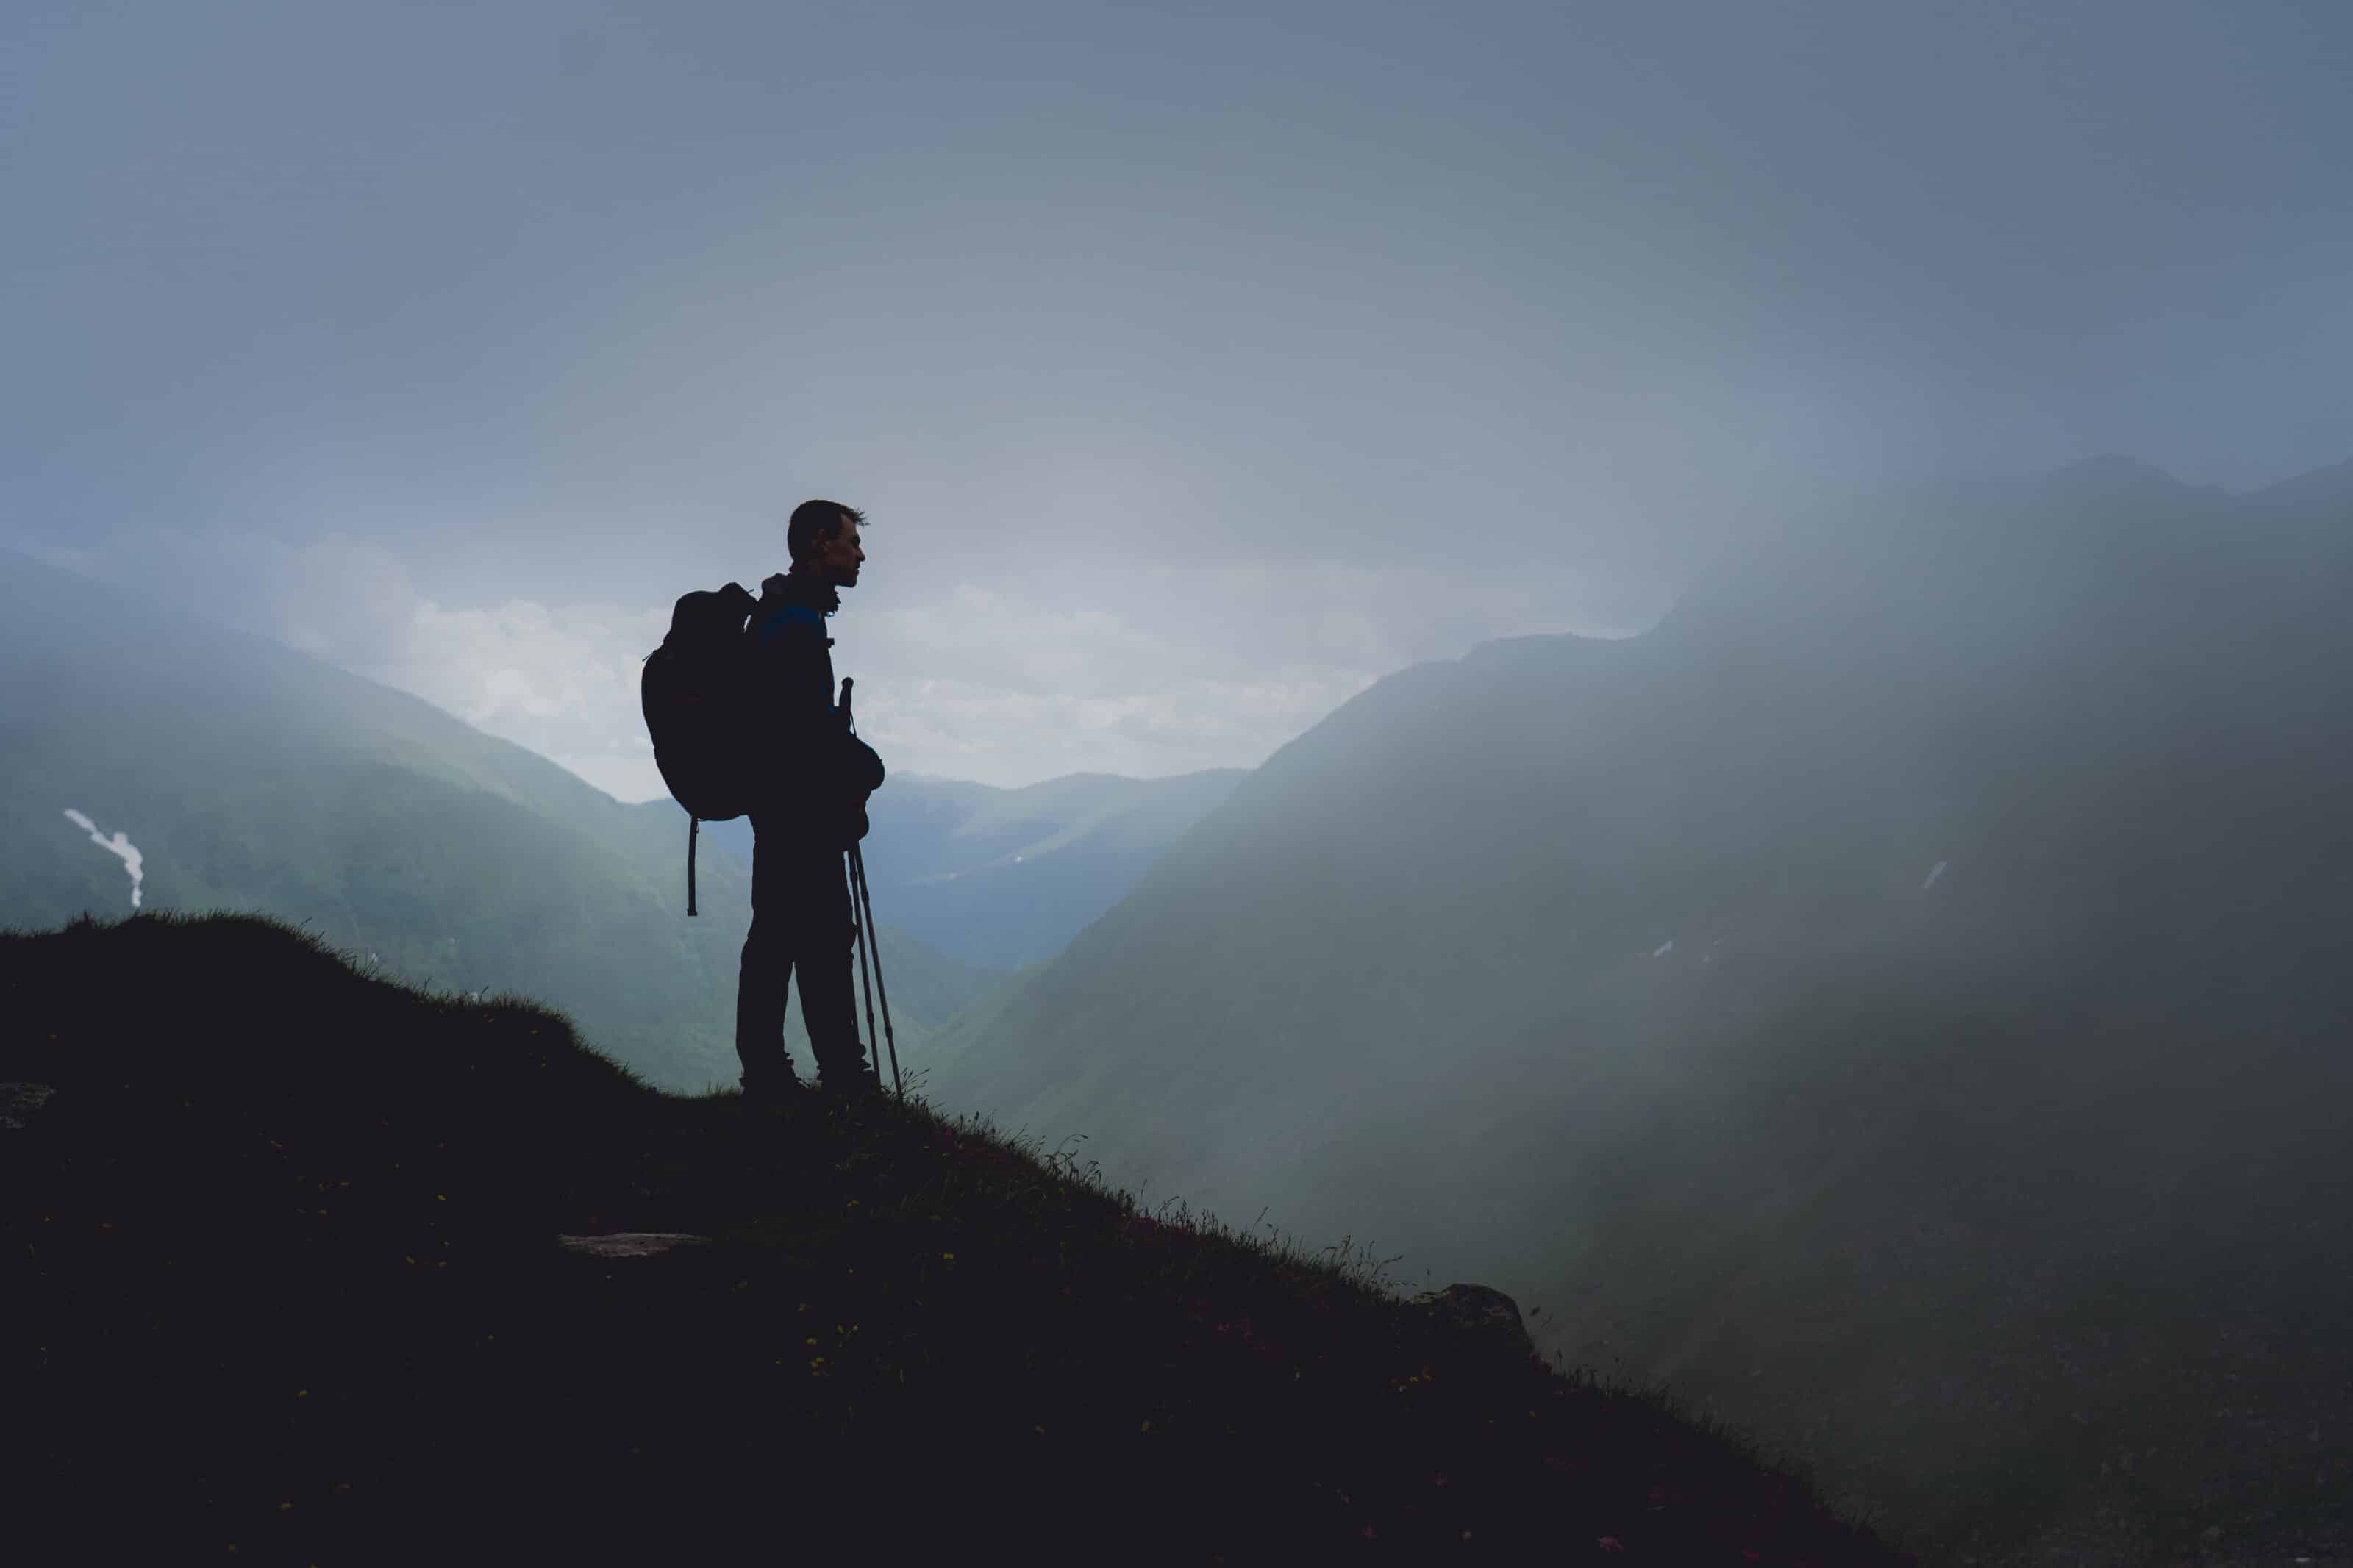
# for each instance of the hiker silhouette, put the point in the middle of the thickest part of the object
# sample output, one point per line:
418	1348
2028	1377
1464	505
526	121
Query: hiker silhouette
815	777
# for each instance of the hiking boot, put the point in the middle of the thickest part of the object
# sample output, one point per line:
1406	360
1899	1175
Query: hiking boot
850	1083
769	1090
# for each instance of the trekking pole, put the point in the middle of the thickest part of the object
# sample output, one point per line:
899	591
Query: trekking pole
858	923
858	868
862	909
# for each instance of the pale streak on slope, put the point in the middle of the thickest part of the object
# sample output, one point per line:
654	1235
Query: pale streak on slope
118	845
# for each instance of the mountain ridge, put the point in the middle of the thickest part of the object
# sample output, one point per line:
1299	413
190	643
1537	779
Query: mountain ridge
1600	930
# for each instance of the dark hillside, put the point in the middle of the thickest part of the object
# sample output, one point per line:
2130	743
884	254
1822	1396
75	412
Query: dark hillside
285	1280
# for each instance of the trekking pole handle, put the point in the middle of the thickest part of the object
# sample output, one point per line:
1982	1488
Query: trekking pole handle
846	682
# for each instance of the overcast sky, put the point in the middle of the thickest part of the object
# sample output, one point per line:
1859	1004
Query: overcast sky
1196	364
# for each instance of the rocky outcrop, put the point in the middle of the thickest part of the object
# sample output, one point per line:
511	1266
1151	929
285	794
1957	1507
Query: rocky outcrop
1483	1315
630	1243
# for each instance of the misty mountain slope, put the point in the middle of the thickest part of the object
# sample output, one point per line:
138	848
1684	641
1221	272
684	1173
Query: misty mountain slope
1003	878
1940	924
458	1279
252	777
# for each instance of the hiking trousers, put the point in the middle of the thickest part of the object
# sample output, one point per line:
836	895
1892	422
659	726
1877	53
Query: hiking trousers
801	921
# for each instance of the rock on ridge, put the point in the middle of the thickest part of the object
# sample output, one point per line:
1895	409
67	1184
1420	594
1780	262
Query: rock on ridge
1484	1312
630	1243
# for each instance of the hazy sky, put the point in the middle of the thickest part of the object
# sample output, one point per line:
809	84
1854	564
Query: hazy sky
1196	364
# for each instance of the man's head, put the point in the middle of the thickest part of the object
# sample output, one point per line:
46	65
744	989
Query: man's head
823	538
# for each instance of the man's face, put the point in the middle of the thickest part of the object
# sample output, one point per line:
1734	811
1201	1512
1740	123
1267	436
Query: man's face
838	558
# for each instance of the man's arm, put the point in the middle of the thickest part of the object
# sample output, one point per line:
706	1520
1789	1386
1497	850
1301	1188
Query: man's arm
861	768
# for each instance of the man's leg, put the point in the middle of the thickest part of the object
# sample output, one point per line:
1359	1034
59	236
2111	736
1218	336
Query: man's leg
823	953
763	978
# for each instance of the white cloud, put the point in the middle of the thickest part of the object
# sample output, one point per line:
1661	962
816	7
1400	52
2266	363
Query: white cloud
1074	667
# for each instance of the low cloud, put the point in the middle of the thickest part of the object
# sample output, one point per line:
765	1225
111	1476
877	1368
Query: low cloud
1087	667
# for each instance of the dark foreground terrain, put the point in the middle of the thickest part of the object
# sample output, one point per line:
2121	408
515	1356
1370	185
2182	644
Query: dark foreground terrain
288	1281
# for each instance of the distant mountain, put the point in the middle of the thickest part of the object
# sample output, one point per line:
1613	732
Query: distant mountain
1903	998
1002	879
2323	493
251	777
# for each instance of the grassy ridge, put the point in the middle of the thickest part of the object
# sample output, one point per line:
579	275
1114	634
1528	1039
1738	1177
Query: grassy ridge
282	1248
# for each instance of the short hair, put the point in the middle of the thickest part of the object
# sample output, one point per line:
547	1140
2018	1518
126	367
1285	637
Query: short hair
814	520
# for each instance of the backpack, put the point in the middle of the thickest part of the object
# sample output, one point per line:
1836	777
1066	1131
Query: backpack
693	693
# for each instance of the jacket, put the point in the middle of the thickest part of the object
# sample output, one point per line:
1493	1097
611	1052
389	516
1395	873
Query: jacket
817	768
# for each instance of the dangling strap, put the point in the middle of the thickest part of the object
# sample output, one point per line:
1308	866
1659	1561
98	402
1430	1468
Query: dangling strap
694	827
